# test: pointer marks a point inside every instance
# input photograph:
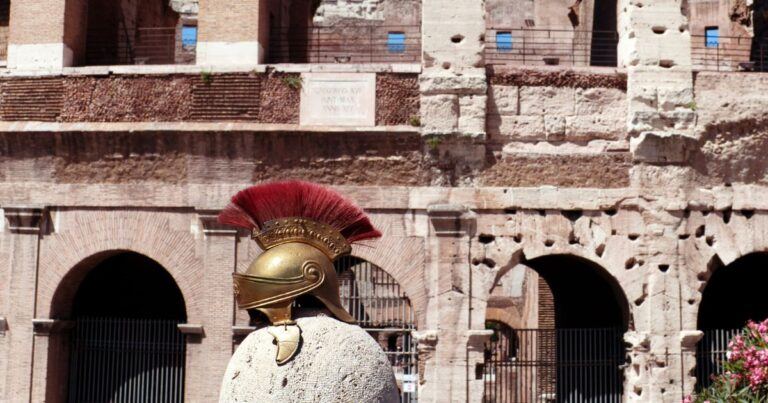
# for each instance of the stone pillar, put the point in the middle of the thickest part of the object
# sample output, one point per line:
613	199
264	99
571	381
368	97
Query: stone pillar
655	47
37	36
228	32
453	84
210	352
455	349
21	238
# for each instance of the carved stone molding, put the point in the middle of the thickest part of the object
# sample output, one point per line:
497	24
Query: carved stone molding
191	329
210	224
45	327
452	220
25	220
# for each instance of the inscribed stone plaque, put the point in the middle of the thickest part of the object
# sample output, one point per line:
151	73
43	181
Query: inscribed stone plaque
338	99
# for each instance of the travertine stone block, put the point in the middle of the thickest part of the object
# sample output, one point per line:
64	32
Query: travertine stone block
439	114
547	101
472	115
517	127
503	100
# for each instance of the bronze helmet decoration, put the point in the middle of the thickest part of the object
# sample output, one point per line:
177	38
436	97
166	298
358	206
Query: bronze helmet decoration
302	228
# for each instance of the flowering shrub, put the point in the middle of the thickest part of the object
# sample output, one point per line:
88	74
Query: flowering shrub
745	378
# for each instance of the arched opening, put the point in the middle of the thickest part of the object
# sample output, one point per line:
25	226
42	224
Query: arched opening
113	32
733	295
375	300
125	344
568	337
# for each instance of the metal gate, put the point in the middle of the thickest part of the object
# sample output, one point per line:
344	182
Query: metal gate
126	360
554	365
375	300
710	354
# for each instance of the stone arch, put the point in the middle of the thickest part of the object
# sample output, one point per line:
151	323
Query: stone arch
403	259
65	257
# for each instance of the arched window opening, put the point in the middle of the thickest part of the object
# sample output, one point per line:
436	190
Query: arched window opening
375	300
569	347
734	295
125	345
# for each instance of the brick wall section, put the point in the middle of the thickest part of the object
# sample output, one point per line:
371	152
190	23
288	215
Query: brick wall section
37	21
229	21
397	99
38	99
126	99
607	170
266	98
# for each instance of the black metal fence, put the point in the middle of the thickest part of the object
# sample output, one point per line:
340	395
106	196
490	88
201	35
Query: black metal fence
380	307
126	360
152	45
346	44
551	47
729	53
710	354
554	365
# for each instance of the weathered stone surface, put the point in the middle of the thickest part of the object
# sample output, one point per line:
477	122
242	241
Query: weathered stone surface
547	101
337	362
472	115
516	127
440	114
503	100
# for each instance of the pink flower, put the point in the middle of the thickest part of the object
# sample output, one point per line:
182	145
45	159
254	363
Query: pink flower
688	399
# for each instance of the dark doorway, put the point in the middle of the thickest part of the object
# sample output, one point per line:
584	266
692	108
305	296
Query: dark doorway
125	345
605	38
734	295
577	351
121	32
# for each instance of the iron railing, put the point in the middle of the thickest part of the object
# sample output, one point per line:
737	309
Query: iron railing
550	47
729	53
554	365
144	45
711	353
379	306
126	360
346	44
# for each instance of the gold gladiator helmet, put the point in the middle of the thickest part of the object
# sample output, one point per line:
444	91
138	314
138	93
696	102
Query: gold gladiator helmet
298	259
302	229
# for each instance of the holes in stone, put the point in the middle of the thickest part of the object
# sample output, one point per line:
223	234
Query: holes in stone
475	262
505	191
691	301
510	211
285	382
748	213
573	239
611	212
517	238
486	238
446	65
687	213
684	236
613	232
710	240
633	237
639	301
701	276
666	63
572	215
728	184
457	38
639	5
548	243
727	216
705	213
630	263
699	231
542	212
489	262
663	268
658	29
600	250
